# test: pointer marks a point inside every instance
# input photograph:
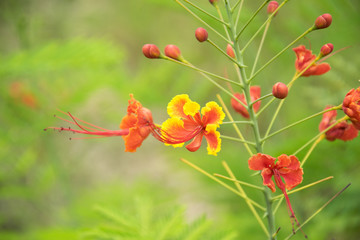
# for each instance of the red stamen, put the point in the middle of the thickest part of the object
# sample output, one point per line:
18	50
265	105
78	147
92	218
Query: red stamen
165	137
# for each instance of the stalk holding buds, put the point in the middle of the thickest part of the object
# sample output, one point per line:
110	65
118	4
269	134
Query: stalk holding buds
213	1
326	49
273	5
151	51
323	21
280	90
201	34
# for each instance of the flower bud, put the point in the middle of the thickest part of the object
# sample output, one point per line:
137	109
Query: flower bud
172	51
323	21
151	51
201	34
273	5
213	1
326	49
280	90
230	51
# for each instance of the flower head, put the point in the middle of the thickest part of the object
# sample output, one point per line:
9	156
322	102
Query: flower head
187	123
255	93
287	168
134	127
351	106
272	6
201	34
304	57
343	130
323	21
280	90
151	51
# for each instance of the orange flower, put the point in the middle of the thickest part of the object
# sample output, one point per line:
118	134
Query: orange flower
287	168
134	127
255	93
187	123
342	130
351	106
303	58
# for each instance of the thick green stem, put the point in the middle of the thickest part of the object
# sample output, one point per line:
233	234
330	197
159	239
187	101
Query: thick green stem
255	126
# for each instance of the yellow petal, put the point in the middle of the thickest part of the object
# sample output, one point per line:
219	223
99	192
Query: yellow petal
191	108
213	139
175	107
212	113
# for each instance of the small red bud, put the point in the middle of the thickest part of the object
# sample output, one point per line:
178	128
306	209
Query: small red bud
273	5
151	51
323	21
326	49
213	1
280	90
201	34
172	51
230	51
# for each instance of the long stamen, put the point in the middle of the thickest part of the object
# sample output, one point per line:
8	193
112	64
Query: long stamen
80	120
165	137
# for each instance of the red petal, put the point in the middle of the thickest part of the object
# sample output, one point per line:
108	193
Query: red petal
349	133
261	161
321	69
266	175
135	138
195	144
292	178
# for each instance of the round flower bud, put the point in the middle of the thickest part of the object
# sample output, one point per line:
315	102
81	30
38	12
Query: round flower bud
151	51
273	5
230	51
280	90
323	21
326	49
201	34
172	51
213	1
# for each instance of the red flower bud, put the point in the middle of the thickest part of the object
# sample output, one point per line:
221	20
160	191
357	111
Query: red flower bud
273	5
213	1
323	21
230	51
172	51
280	90
201	34
151	51
326	49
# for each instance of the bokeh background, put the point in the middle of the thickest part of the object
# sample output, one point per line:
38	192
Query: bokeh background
85	57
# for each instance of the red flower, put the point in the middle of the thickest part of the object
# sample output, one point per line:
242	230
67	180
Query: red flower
304	57
255	93
351	106
287	167
186	123
135	126
342	130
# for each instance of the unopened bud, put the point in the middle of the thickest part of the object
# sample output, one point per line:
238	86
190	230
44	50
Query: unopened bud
201	34
280	90
323	21
151	51
172	51
326	49
273	5
230	51
213	1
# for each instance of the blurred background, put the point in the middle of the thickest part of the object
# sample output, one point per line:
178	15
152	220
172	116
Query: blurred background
85	57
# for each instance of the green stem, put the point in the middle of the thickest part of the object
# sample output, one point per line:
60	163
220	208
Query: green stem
281	52
261	98
237	140
221	17
202	21
260	47
202	10
238	181
252	18
223	52
300	121
312	149
255	126
238	122
187	64
237	4
318	211
238	13
321	133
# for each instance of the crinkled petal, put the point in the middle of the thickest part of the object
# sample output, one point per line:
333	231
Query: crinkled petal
292	178
212	114
213	139
349	133
266	174
260	161
135	138
191	108
175	107
327	119
255	93
290	162
174	132
238	107
321	68
195	144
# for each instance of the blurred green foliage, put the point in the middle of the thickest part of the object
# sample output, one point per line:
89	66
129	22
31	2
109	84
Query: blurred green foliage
85	57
